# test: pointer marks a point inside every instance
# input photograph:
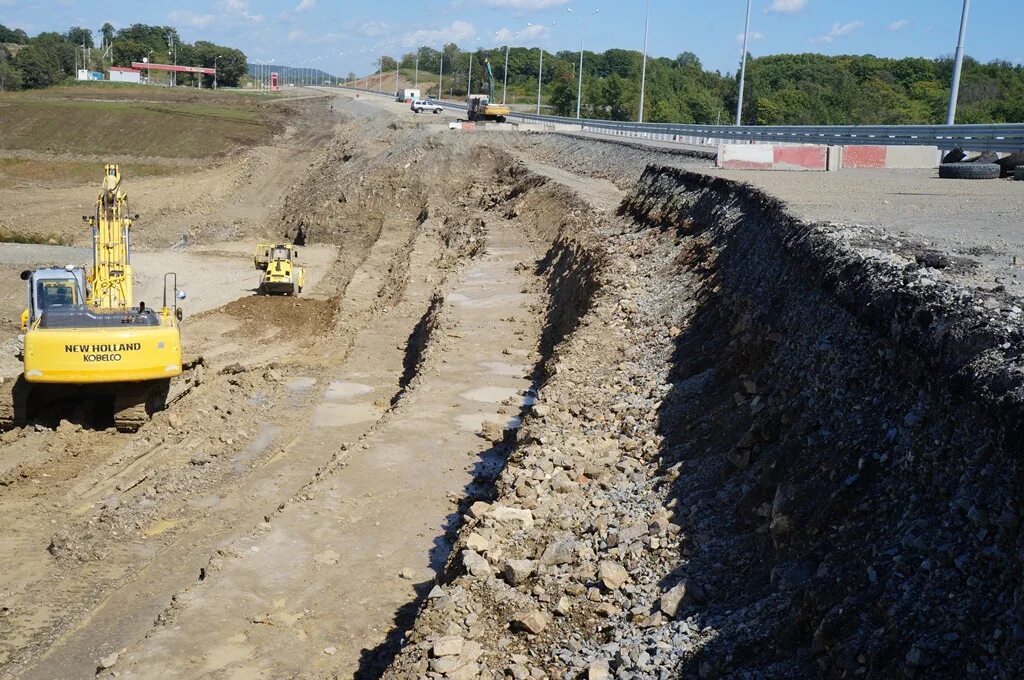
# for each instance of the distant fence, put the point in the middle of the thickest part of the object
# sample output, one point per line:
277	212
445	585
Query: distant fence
1006	137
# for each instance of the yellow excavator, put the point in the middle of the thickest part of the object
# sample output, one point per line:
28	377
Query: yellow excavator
87	348
479	106
281	276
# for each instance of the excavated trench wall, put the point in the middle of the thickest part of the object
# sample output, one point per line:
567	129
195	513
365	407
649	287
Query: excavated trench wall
847	430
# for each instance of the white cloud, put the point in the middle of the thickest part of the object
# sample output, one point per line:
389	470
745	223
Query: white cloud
190	18
459	30
754	37
296	35
305	6
897	25
238	8
787	6
373	29
838	31
525	4
525	34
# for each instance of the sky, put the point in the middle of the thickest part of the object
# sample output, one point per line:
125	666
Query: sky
339	36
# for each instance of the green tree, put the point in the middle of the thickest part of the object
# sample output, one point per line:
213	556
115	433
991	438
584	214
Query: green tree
38	67
79	36
14	36
107	31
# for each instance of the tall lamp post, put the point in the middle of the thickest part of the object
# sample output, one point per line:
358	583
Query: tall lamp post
215	71
958	64
440	75
416	83
579	92
743	66
643	71
504	86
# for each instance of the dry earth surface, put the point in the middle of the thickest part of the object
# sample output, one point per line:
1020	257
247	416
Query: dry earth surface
553	407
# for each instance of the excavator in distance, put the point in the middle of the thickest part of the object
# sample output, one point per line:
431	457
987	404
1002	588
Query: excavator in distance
86	346
479	106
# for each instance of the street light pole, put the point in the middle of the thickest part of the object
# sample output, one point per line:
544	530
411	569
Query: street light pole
958	64
579	92
643	71
743	66
469	83
504	86
540	78
440	75
416	84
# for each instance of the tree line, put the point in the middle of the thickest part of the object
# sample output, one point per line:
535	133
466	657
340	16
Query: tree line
51	58
783	89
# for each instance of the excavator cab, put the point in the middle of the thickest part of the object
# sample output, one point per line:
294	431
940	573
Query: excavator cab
53	288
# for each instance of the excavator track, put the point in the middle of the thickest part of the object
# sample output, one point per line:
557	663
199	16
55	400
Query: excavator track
133	404
14	403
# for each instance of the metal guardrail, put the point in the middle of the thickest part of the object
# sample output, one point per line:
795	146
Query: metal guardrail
1005	137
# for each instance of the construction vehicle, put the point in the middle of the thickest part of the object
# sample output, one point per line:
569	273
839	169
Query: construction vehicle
86	346
281	276
479	106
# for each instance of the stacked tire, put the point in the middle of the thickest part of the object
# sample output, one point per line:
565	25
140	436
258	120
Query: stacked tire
983	166
1018	173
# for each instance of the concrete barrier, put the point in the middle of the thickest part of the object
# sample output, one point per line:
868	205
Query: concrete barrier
890	157
771	157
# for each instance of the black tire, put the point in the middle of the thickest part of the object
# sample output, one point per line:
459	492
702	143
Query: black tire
1018	174
985	158
969	171
437	111
419	110
954	156
1010	163
500	119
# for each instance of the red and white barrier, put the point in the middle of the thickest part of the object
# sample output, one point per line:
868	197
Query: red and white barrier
771	157
821	158
890	157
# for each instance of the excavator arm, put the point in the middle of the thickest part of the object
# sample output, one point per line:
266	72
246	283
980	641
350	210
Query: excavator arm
110	282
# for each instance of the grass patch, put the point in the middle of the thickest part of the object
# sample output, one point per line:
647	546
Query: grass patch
15	171
135	121
11	236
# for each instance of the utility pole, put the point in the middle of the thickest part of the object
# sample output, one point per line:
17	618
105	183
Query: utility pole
643	72
958	64
469	83
215	71
743	66
416	82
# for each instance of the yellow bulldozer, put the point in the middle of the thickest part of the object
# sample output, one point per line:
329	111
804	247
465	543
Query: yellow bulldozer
281	276
87	347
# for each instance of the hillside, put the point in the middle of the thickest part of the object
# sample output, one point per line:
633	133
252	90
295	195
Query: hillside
810	89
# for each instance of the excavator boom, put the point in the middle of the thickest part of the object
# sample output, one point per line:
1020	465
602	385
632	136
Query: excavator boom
110	283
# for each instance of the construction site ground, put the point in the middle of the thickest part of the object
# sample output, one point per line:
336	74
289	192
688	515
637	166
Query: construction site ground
549	407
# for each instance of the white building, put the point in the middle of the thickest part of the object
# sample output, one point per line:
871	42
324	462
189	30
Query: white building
120	74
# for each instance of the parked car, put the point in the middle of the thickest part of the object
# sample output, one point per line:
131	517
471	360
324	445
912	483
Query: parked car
421	105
